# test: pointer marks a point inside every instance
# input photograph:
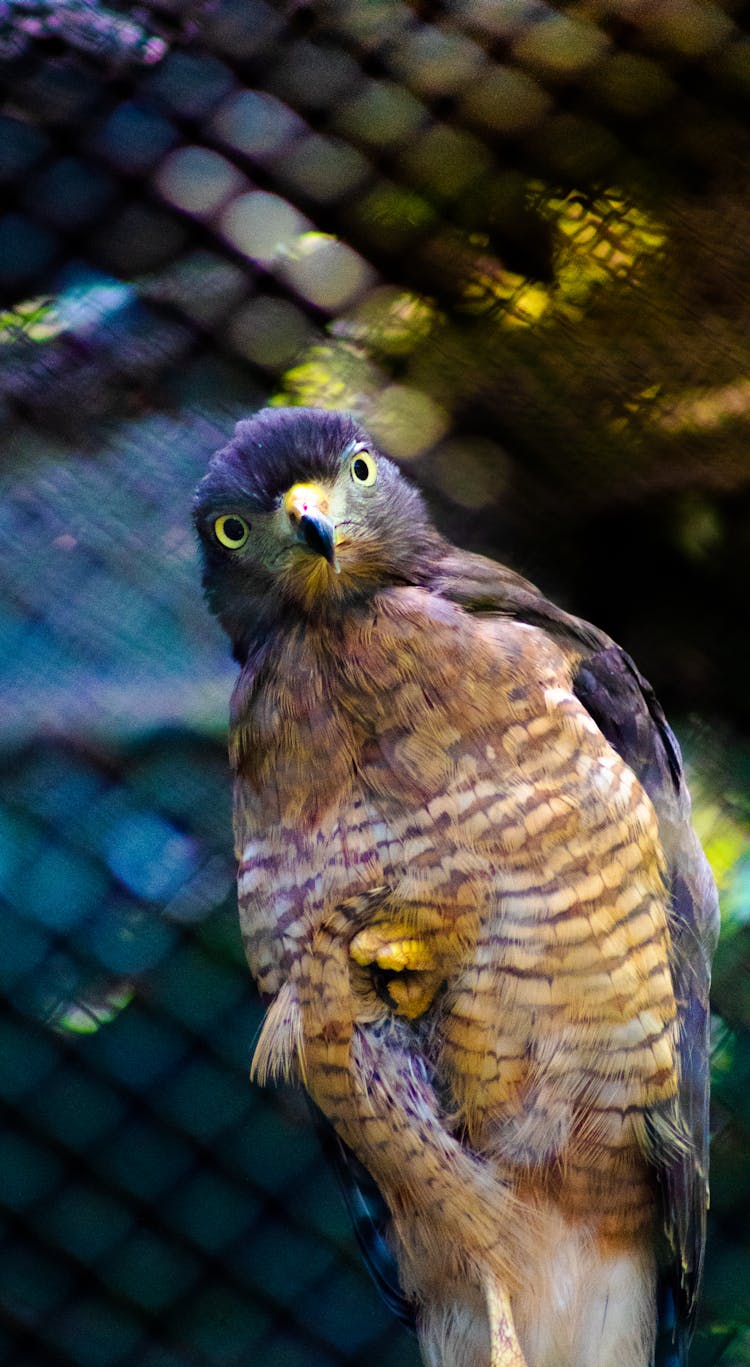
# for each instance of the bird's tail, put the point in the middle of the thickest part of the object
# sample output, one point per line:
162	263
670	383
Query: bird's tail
671	1340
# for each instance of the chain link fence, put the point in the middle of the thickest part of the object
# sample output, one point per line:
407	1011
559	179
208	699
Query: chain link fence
512	237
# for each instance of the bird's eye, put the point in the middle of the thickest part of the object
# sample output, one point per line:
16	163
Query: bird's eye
363	469
232	531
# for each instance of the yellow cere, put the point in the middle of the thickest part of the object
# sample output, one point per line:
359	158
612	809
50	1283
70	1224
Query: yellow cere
305	498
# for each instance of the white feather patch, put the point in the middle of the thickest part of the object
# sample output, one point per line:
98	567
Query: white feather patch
279	1050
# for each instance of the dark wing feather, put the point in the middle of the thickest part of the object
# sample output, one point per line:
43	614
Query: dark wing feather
370	1219
624	707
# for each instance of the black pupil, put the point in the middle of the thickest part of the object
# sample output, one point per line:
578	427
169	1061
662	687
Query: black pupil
234	530
361	469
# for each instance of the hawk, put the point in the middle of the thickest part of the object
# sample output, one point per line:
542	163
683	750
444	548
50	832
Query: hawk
471	893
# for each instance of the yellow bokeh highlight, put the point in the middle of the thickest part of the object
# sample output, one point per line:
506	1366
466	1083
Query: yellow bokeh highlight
389	320
36	319
723	827
723	837
197	180
597	243
704	409
334	375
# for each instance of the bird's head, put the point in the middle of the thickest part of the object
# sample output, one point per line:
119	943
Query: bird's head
301	514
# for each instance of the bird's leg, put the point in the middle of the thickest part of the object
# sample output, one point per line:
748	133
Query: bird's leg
453	1214
505	1350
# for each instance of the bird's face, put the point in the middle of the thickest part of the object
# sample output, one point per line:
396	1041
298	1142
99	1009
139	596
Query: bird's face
302	512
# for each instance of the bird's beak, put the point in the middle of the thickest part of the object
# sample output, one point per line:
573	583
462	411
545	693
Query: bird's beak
307	508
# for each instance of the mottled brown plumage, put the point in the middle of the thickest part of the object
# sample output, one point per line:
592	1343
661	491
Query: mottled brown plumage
469	885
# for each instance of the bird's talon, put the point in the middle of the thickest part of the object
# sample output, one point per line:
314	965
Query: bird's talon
412	995
388	947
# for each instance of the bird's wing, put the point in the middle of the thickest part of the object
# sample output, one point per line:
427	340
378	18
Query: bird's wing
624	707
626	711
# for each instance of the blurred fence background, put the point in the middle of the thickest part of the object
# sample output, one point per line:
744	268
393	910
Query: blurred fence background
513	237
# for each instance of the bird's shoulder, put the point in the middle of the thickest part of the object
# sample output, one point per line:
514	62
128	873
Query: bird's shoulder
481	585
604	677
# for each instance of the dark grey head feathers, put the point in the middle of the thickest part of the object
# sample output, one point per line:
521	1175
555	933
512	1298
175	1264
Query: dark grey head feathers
300	516
272	451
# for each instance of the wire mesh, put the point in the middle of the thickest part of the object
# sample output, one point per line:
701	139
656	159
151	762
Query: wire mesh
512	238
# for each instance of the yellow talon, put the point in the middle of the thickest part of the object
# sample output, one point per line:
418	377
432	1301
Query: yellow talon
388	946
411	997
392	949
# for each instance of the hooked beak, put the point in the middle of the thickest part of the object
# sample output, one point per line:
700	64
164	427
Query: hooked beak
306	506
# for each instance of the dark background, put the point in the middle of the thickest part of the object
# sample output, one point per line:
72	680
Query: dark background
513	237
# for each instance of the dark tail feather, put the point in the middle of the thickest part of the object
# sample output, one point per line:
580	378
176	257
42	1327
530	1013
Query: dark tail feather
370	1219
671	1335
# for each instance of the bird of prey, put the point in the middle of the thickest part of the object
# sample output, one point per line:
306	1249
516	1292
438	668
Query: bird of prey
471	893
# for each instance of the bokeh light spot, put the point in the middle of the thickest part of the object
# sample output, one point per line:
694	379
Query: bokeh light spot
149	855
130	939
331	376
406	421
435	62
314	75
560	45
323	168
86	1015
389	320
632	85
190	84
394	217
505	100
472	472
446	160
134	139
256	124
381	114
61	889
262	226
326	272
197	180
269	331
692	27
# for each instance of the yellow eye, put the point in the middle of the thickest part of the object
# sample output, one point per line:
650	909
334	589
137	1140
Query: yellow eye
363	469
232	531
